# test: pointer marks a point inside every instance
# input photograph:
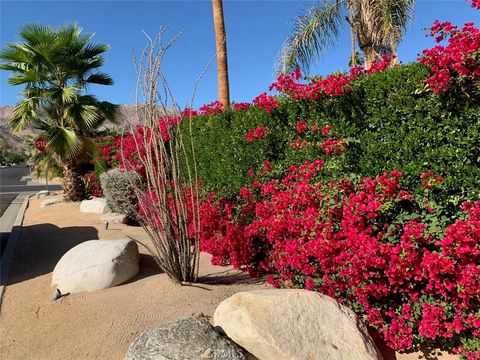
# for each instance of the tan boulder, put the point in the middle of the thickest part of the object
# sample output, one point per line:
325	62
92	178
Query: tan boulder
294	324
95	265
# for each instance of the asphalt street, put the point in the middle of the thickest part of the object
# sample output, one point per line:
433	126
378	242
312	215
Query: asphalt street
11	185
13	182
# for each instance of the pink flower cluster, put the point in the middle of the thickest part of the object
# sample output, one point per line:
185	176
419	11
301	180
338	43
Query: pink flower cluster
332	85
460	59
213	108
257	133
266	102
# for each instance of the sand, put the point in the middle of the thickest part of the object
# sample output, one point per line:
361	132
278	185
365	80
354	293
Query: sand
100	324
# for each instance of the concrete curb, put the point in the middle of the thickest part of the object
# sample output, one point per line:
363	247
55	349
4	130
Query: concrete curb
10	247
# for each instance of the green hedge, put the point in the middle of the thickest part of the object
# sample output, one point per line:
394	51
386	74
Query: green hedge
390	120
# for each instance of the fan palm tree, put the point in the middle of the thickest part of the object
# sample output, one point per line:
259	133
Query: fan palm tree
56	66
221	45
377	26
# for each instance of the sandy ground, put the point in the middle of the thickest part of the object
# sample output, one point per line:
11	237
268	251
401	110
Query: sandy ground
100	324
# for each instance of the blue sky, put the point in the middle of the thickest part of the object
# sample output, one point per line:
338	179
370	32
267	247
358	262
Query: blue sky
256	30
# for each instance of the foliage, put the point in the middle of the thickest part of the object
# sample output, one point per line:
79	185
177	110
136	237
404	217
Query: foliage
388	118
370	244
458	63
377	27
118	188
9	154
56	66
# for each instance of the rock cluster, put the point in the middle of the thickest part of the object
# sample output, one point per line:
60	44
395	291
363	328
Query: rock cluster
267	325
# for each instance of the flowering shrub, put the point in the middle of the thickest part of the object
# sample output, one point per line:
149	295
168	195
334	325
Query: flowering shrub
333	85
241	106
367	244
92	184
213	108
458	61
266	102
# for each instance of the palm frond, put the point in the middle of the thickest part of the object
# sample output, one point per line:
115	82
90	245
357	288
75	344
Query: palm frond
24	112
92	50
313	32
99	78
64	141
396	15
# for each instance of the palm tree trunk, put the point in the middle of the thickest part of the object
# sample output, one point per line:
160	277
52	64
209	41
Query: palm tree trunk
73	186
370	55
221	44
353	59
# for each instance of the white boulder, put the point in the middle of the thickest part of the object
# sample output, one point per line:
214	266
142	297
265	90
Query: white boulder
95	265
294	324
114	218
94	205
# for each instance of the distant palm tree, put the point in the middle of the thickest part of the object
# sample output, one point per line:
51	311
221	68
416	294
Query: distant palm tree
221	45
56	66
377	26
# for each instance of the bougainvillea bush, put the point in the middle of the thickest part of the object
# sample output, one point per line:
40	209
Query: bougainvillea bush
369	244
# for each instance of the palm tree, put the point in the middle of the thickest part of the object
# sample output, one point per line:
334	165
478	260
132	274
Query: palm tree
221	45
377	26
56	66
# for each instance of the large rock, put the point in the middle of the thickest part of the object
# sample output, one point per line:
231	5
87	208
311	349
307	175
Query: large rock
95	265
181	340
94	205
114	218
294	324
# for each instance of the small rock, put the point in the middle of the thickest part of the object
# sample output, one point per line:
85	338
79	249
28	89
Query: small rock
94	205
95	265
50	202
183	339
114	218
42	193
294	324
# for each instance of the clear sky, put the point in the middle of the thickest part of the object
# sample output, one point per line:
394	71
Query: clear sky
256	30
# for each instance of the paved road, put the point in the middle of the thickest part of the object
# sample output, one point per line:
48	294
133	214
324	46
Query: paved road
13	190
11	185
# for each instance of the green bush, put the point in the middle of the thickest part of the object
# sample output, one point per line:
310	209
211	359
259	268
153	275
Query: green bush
389	120
118	188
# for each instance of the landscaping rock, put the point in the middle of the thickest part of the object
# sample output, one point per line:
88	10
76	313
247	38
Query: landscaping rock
181	340
51	202
42	193
95	265
294	324
94	205
114	218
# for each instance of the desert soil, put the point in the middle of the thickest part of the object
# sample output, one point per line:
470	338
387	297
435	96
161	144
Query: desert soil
100	324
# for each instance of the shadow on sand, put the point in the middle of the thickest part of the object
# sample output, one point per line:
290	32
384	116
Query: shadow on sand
229	277
39	248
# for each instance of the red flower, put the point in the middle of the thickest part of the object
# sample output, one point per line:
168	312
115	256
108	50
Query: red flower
301	126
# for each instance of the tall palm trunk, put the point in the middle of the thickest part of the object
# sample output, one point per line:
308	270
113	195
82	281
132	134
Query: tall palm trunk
73	185
353	60
370	55
221	44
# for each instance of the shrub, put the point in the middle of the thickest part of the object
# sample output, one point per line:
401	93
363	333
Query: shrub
389	119
119	190
369	244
